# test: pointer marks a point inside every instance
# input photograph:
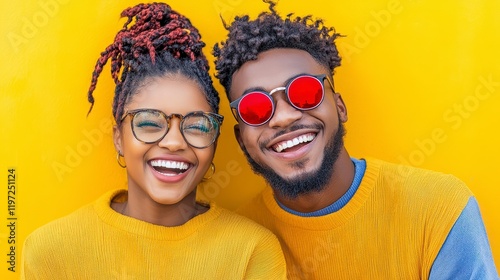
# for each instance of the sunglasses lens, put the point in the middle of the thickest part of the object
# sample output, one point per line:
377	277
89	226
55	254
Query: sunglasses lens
255	108
305	92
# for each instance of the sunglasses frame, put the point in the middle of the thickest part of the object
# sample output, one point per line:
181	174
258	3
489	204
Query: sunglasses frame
321	78
218	118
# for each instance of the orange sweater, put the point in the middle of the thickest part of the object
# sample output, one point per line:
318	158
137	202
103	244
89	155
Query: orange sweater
392	228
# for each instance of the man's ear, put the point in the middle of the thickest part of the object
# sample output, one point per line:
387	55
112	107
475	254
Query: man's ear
341	108
237	134
117	139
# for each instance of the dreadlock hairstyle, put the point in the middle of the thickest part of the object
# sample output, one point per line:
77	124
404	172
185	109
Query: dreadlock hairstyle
247	38
160	42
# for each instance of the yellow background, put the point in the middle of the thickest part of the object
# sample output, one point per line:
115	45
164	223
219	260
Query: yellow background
421	80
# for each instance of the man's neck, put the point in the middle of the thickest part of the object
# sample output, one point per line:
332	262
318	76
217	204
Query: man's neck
341	180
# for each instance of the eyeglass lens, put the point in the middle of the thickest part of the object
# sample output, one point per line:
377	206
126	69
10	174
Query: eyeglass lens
198	129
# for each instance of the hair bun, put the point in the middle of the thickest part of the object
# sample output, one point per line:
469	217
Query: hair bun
150	29
158	28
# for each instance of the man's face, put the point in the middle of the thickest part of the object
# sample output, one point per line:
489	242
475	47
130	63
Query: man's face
305	166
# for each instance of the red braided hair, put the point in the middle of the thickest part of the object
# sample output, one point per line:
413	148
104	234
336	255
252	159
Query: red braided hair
157	28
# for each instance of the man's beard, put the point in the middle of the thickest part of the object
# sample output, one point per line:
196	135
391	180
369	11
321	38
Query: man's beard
306	182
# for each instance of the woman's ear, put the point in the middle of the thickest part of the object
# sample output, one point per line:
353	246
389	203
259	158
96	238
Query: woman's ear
215	146
117	139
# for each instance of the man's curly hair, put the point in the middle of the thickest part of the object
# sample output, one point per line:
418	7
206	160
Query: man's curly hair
247	38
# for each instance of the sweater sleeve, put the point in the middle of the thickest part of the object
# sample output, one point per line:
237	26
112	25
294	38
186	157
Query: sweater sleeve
39	261
25	272
34	259
267	261
29	260
466	253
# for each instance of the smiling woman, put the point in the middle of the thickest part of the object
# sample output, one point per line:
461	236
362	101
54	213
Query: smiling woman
165	108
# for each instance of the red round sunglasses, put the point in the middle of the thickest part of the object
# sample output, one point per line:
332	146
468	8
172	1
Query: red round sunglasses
304	92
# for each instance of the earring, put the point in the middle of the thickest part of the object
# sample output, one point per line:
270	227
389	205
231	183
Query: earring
118	155
212	172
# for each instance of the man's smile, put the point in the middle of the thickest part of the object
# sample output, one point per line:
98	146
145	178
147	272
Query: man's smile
288	144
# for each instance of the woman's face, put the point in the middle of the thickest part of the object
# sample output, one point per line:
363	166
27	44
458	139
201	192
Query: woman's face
166	172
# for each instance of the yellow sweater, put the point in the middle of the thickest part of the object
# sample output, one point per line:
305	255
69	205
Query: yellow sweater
95	242
392	228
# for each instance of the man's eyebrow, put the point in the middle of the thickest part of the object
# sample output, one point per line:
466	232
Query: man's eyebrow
252	89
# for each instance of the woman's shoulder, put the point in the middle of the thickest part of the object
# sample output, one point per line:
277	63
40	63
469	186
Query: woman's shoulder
65	225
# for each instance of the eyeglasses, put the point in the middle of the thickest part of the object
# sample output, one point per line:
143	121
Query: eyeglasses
199	129
304	92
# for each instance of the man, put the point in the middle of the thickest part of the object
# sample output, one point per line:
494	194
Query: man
337	217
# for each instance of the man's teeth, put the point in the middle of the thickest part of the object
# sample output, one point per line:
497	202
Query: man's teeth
294	142
170	164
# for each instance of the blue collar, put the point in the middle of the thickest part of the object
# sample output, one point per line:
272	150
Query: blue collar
359	172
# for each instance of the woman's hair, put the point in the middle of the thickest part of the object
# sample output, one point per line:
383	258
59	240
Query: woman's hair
158	43
247	38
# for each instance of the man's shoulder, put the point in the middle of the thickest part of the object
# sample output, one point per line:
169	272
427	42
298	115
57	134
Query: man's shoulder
406	175
414	184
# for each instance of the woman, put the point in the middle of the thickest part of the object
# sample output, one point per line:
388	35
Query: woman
165	108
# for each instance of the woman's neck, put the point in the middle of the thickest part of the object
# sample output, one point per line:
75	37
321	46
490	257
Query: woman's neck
171	215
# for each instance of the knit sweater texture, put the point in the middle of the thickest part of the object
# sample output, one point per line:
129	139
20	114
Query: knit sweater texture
392	228
96	242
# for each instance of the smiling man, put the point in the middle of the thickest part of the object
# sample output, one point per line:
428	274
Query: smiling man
337	216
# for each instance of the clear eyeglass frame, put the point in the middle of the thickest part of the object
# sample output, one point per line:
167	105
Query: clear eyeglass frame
199	141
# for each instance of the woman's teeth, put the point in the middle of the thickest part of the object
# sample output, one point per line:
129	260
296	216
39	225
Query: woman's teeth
164	166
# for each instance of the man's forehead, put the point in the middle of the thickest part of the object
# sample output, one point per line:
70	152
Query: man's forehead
272	69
